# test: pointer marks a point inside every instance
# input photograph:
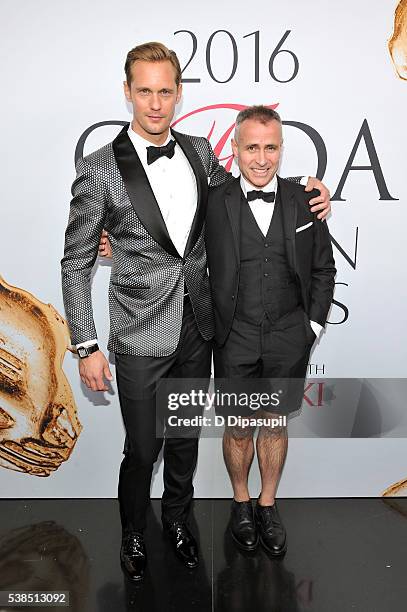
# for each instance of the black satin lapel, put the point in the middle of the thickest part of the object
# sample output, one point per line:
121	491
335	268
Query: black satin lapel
289	215
202	188
139	191
233	197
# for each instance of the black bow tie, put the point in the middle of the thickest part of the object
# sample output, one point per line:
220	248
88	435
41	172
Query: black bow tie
154	153
267	196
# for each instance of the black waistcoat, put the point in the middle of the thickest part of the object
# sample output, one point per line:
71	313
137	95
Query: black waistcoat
267	286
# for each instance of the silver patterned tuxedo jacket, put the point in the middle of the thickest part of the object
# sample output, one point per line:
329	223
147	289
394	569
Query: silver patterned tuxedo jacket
147	279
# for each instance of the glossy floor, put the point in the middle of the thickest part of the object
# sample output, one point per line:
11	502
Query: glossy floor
345	554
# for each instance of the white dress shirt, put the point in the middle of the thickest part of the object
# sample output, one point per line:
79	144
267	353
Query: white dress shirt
263	213
174	186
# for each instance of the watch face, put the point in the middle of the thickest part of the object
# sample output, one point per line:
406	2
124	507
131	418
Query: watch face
82	352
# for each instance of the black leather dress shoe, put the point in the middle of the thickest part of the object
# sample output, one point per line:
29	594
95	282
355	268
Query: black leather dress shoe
133	556
271	529
183	543
242	525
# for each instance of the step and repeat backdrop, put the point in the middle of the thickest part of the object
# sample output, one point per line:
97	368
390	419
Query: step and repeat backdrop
337	74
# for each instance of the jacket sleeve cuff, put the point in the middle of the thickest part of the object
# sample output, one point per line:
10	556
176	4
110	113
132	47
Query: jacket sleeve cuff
87	343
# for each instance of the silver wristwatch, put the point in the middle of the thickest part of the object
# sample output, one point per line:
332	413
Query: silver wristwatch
85	351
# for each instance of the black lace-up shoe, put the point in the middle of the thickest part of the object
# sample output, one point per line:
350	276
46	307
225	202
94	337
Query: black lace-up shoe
183	543
242	525
271	529
133	556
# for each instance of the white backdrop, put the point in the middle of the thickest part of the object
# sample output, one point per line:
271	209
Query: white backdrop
62	71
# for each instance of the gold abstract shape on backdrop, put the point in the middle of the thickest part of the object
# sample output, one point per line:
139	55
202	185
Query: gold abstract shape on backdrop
38	418
398	42
398	489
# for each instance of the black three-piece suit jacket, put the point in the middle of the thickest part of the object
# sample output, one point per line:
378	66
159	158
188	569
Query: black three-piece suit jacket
308	251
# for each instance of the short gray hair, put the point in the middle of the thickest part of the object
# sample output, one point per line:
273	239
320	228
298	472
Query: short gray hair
258	112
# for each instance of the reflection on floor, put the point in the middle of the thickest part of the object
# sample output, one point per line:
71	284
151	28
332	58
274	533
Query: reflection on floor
343	554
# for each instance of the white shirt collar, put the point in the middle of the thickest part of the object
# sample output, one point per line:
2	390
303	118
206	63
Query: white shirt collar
141	144
246	186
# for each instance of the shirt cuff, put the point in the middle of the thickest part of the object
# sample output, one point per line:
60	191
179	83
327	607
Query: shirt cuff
304	180
316	328
87	343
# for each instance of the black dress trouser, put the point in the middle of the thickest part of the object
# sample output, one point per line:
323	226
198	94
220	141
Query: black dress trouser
137	378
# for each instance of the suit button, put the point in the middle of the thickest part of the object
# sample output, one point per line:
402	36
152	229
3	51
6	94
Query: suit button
233	297
266	274
266	244
266	259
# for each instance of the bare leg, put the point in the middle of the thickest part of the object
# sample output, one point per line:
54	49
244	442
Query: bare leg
271	453
238	452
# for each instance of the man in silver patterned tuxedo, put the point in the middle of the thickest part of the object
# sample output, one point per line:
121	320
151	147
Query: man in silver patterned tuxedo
148	189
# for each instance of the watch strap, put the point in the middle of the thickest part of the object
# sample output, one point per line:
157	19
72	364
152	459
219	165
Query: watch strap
85	351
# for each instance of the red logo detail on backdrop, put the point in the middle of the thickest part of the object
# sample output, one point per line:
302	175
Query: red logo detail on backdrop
317	394
218	147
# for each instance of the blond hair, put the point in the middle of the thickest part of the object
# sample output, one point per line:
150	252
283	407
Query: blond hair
152	52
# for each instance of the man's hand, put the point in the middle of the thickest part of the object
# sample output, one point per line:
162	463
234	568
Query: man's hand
105	249
321	202
92	369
